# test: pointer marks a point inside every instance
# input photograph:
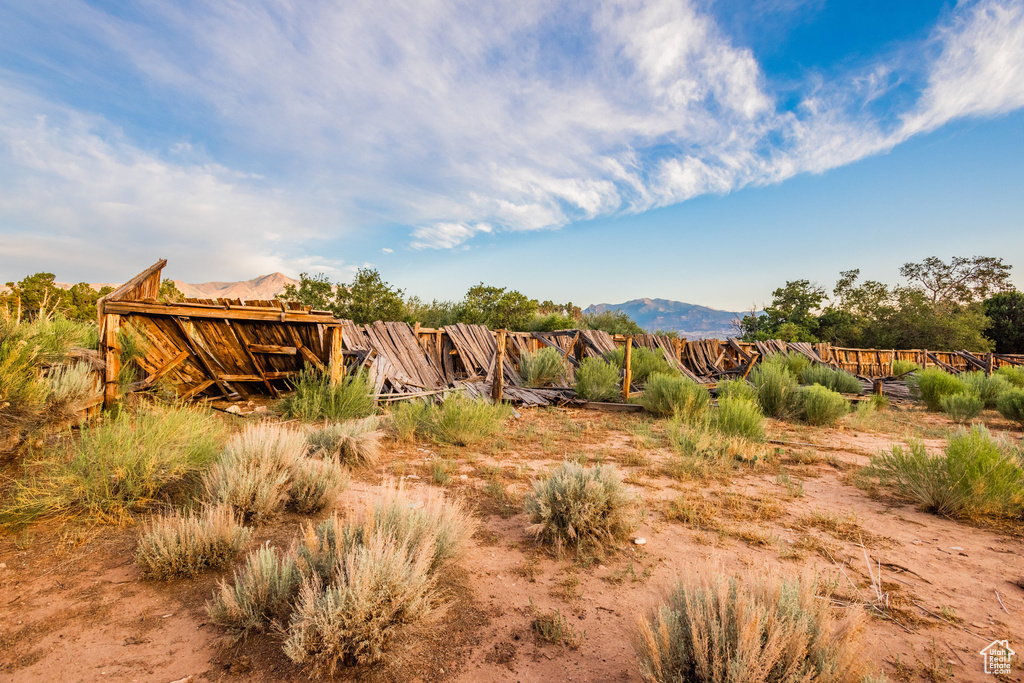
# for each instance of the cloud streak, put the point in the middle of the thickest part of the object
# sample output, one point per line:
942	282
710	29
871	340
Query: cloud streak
461	119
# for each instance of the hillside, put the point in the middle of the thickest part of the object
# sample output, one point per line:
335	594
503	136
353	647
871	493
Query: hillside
262	287
689	320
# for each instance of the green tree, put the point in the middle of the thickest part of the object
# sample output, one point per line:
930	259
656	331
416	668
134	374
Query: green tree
35	294
169	291
316	291
369	298
792	313
498	307
612	322
1005	312
963	280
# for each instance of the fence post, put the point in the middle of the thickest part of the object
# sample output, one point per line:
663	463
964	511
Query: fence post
336	361
627	379
112	358
498	384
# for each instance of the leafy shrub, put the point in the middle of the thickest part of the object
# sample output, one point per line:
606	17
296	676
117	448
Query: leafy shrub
463	421
740	417
316	483
932	384
254	473
642	363
1011	406
597	380
263	591
185	544
763	629
543	367
355	443
902	367
793	363
976	475
118	466
736	388
316	399
673	394
836	380
962	407
580	507
820	406
1014	374
776	390
986	387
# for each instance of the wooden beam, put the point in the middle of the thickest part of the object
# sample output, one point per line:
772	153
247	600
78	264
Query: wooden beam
167	367
197	389
112	358
498	384
127	287
241	378
254	313
627	378
273	349
210	373
336	358
307	355
239	334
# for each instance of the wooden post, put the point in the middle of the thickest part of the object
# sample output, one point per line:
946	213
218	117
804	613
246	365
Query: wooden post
336	362
989	363
498	384
627	379
876	387
924	359
112	358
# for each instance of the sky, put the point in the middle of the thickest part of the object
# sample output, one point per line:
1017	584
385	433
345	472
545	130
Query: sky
699	150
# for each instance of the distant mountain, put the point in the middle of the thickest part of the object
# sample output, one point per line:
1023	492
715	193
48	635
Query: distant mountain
689	320
262	287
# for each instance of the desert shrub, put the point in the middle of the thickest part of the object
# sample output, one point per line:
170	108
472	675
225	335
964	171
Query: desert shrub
976	475
820	406
442	524
183	544
673	394
761	629
405	418
316	483
736	388
543	367
986	387
118	466
580	507
356	443
377	588
22	395
793	363
740	417
1014	374
703	451
316	399
836	380
932	384
263	591
254	473
902	367
463	421
597	380
776	389
1011	406
642	363
70	385
962	407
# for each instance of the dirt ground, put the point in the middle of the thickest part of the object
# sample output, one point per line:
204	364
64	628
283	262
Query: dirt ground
74	608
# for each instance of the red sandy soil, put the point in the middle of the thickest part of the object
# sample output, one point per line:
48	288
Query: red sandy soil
73	606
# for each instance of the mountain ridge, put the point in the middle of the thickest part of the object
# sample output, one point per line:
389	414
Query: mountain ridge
692	321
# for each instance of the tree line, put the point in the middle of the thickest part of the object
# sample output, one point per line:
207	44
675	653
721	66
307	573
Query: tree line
38	295
965	303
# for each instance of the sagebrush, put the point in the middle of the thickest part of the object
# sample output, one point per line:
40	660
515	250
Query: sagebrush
597	380
673	394
184	544
543	367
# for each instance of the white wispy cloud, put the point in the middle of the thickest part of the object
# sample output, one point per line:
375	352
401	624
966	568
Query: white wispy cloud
463	119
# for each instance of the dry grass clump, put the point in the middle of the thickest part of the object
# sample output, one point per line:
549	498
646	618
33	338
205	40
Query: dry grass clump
597	380
962	408
316	483
705	452
673	394
976	476
459	420
315	398
71	386
263	592
553	627
1011	406
543	367
116	467
582	507
346	589
356	443
834	379
760	629
776	389
254	473
820	406
184	544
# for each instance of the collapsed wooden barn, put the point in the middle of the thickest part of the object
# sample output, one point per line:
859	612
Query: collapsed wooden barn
234	349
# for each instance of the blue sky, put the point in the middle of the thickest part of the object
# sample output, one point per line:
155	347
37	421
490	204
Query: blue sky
699	150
